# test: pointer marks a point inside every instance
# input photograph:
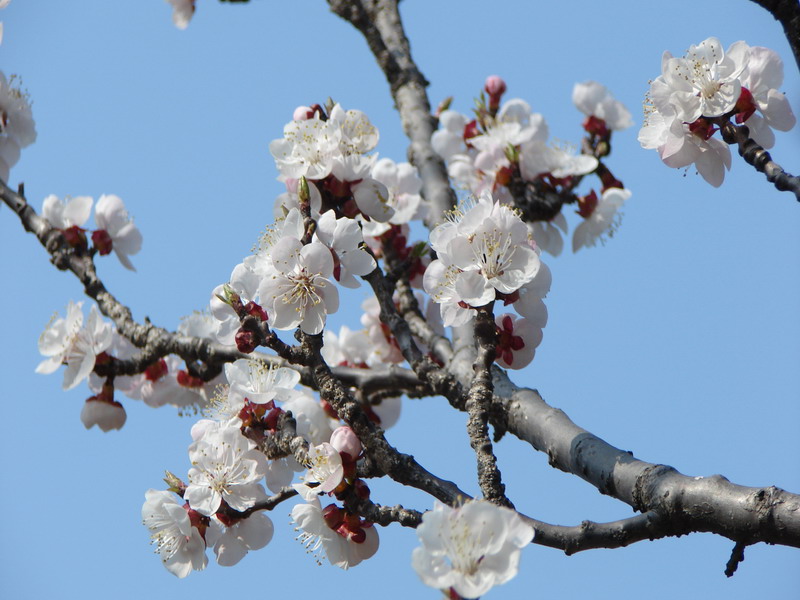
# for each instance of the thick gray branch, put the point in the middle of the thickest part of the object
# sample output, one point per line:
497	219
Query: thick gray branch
710	504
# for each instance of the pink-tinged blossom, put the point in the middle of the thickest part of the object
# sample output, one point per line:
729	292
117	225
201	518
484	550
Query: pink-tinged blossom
17	129
345	545
65	214
67	341
111	216
680	145
107	414
226	466
177	540
594	100
346	242
602	220
325	471
299	291
705	82
471	548
182	12
252	533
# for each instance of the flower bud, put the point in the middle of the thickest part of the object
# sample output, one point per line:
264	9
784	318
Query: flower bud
495	87
106	414
102	241
245	341
303	113
345	441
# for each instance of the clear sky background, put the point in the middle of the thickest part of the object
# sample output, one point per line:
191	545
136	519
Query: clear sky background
678	340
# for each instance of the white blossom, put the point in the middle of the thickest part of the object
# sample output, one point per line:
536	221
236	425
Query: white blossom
252	533
341	549
226	466
258	382
601	220
470	548
180	544
17	129
299	291
482	251
345	240
65	214
67	341
594	99
111	216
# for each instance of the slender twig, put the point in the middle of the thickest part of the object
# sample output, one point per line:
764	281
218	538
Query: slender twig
755	155
737	556
478	406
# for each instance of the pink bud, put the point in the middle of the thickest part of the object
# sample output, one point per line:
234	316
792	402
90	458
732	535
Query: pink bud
345	441
495	86
302	113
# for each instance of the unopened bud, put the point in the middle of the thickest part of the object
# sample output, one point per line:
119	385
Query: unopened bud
245	341
495	87
102	241
303	113
303	193
174	483
345	441
76	237
228	296
444	105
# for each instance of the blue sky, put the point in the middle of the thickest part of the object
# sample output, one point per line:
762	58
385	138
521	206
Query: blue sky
677	340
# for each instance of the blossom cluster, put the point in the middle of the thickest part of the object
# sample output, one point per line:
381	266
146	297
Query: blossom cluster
505	150
708	86
225	492
485	253
115	228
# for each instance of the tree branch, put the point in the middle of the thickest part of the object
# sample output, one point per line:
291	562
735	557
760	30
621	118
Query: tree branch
787	13
755	155
708	504
379	21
